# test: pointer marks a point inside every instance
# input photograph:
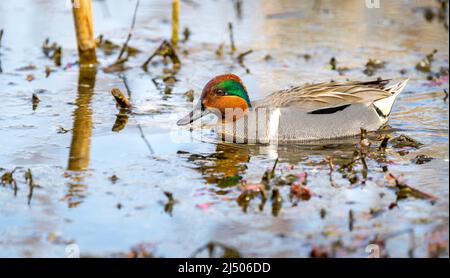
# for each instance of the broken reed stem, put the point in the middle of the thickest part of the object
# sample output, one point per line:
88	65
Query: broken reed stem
232	45
133	22
175	21
241	56
121	100
82	14
1	36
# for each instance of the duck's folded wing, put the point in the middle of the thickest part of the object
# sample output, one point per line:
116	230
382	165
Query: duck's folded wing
328	95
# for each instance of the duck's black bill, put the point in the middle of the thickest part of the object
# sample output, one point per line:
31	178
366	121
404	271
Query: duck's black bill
193	116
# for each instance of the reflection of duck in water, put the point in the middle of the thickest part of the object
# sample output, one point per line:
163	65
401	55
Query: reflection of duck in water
304	113
224	167
228	164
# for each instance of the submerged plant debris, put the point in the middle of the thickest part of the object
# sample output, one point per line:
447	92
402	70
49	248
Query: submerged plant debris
167	51
372	66
52	51
425	64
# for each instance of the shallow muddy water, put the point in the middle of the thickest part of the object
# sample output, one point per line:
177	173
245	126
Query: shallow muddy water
103	189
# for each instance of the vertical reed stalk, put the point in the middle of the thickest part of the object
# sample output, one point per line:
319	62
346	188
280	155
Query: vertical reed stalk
82	14
1	36
175	21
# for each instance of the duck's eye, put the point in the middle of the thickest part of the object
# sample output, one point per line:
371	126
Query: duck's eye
220	92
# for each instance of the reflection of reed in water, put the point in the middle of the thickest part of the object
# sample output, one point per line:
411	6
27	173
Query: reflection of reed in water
81	135
82	121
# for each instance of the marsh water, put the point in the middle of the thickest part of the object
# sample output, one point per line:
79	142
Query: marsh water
99	188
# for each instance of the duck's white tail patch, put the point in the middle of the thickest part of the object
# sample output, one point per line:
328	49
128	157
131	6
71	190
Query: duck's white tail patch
384	106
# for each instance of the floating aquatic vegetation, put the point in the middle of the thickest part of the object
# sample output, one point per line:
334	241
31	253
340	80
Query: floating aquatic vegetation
438	242
268	57
57	56
8	178
31	185
425	64
384	143
319	252
241	57
47	70
363	147
403	141
219	51
139	251
269	175
373	65
165	50
331	167
244	199
250	191
189	95
56	238
300	190
186	34
438	78
351	220
113	179
106	45
62	130
35	101
212	247
238	8
404	191
440	13
323	213
168	207
117	66
277	201
121	100
52	51
332	64
27	67
422	159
